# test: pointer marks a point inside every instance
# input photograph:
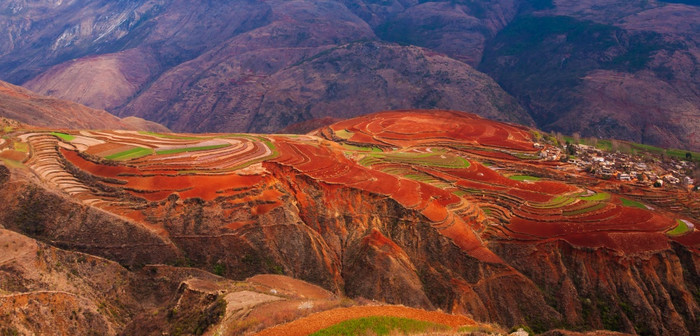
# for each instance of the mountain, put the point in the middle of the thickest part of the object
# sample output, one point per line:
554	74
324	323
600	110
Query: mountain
428	209
30	108
630	76
602	68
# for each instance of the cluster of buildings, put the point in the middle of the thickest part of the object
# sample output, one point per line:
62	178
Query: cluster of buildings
632	168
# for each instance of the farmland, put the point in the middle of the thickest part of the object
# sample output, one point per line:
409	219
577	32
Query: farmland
433	163
390	186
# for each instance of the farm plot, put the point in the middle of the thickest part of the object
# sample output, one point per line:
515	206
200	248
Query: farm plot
319	321
440	159
682	227
405	129
132	153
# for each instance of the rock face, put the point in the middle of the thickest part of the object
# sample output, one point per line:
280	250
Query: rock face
397	206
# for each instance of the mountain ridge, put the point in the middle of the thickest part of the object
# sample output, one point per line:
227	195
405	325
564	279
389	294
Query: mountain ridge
147	60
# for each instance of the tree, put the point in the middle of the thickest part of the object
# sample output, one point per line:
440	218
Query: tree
593	141
615	145
577	137
560	138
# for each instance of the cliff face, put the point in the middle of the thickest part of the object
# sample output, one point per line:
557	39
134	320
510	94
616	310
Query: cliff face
650	294
367	245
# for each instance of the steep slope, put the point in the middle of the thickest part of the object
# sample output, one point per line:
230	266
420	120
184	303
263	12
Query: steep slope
601	68
25	106
457	28
45	33
422	208
239	77
49	291
630	73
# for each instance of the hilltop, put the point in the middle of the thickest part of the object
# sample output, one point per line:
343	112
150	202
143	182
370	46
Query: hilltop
428	209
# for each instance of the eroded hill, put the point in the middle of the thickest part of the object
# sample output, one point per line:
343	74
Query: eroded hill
430	209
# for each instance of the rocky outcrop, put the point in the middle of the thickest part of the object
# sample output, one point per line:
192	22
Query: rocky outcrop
51	217
648	294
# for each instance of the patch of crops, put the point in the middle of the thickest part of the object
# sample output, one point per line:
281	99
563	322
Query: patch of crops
190	149
592	206
380	325
524	178
360	148
442	160
680	229
343	134
21	147
129	154
63	136
172	136
631	203
556	202
596	197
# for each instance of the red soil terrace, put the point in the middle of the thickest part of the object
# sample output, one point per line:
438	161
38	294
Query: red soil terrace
416	168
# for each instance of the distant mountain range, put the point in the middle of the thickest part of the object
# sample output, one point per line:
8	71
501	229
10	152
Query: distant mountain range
602	68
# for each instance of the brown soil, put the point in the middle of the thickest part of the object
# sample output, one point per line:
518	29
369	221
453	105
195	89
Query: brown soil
284	284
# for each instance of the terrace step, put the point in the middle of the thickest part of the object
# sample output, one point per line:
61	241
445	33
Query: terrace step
45	162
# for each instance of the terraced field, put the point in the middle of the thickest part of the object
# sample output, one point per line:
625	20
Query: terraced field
382	189
428	162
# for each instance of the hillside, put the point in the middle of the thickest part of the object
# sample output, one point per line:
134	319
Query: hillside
602	68
428	209
30	108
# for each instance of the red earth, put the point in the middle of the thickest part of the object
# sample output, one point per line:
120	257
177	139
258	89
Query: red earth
528	208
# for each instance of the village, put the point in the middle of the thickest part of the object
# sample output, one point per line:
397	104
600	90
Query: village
643	169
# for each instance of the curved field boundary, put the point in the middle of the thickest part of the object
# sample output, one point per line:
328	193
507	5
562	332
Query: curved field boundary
322	320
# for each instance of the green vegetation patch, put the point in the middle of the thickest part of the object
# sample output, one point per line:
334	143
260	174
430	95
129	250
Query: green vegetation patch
680	229
524	178
12	163
21	147
129	154
431	159
343	134
63	136
590	207
460	193
380	325
556	202
190	149
360	148
631	203
596	197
